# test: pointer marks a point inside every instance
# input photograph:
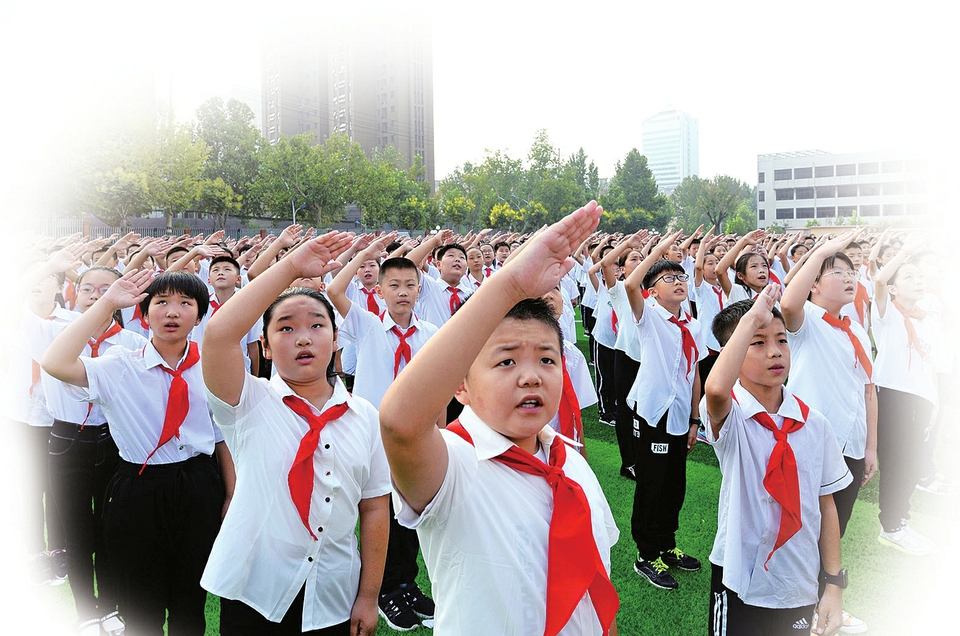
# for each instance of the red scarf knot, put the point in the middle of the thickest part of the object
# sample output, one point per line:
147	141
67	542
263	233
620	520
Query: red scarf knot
372	305
455	300
862	358
178	400
403	352
688	343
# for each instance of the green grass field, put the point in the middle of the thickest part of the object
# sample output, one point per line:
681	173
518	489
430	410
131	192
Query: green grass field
894	593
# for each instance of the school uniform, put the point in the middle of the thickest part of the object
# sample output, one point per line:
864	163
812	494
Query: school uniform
251	337
739	292
626	364
826	373
588	301
747	572
904	372
568	323
265	555
436	300
710	302
135	321
163	505
661	397
484	537
605	339
580	381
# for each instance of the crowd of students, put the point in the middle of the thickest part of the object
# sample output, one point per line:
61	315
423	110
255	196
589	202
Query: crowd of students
203	415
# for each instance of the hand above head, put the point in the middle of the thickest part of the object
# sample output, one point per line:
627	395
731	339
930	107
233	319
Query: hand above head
128	290
290	235
312	258
762	310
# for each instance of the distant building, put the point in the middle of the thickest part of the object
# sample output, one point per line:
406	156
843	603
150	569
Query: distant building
797	187
372	81
671	144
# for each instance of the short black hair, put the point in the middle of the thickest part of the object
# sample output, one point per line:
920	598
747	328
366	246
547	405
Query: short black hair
178	283
223	258
117	314
537	309
500	244
320	298
657	269
795	247
174	250
725	323
398	262
443	249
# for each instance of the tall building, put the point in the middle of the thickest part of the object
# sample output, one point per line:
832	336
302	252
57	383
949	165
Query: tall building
371	80
795	188
671	144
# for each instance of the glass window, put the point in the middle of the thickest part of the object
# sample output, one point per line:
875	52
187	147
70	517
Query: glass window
826	192
893	187
784	213
847	190
846	210
869	210
803	193
803	173
846	170
761	215
823	171
783	175
869	168
826	212
893	209
804	213
762	196
760	178
870	189
784	194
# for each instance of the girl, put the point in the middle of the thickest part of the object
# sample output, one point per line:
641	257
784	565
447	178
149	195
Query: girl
751	269
905	375
286	557
709	295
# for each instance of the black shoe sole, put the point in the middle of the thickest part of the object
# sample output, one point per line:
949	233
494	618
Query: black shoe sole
651	582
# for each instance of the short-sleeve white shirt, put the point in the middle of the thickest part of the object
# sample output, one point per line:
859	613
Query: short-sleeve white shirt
663	383
898	366
603	327
264	555
749	518
627	340
825	374
433	304
580	379
708	306
484	538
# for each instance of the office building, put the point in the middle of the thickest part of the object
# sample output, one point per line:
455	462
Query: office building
797	188
671	144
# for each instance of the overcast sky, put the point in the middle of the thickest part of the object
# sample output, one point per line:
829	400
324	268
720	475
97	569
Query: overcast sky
834	75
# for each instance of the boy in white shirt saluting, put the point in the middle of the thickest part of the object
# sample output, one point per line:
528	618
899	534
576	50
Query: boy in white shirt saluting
513	544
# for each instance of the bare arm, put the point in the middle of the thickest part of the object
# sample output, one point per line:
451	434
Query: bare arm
337	289
829	609
427	246
795	295
287	239
634	282
374	530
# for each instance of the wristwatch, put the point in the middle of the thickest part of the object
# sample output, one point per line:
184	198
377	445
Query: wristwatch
839	579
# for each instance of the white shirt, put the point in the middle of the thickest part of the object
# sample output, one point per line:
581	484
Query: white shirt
627	340
589	293
484	538
603	327
196	334
355	293
899	366
134	325
132	390
376	346
264	555
708	306
580	379
662	382
433	304
749	518
568	321
825	373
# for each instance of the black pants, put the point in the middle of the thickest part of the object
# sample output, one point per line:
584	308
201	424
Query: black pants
81	464
705	366
661	488
35	484
239	619
586	314
158	529
606	388
730	616
844	499
902	420
402	548
625	373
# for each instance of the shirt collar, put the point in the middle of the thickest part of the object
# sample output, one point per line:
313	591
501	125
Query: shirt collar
153	358
339	396
389	324
749	405
489	443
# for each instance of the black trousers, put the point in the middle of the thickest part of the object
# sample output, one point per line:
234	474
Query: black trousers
705	366
81	463
586	315
402	549
661	488
39	510
844	499
625	373
730	616
239	619
158	529
606	388
902	420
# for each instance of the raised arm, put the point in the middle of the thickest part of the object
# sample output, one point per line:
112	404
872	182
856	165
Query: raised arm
608	264
287	239
795	295
222	360
427	246
634	282
706	244
203	250
912	245
364	250
409	410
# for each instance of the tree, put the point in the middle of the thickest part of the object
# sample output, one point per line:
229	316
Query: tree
709	202
742	221
219	200
175	168
633	186
114	195
503	217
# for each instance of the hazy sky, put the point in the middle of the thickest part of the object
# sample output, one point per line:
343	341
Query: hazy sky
833	75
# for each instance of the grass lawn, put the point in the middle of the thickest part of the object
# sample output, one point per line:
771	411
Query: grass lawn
894	593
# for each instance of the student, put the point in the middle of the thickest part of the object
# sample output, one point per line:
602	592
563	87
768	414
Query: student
777	532
605	329
82	459
440	297
502	251
710	300
164	503
309	465
488	553
489	266
905	375
474	274
224	277
663	398
385	345
751	268
859	308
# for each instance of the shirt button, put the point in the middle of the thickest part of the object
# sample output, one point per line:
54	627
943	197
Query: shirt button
763	542
327	499
328	472
310	559
181	448
320	529
326	445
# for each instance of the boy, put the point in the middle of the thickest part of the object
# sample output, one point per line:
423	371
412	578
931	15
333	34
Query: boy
385	345
440	297
223	279
663	398
489	525
777	530
502	251
163	507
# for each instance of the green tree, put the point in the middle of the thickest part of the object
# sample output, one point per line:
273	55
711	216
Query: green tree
503	217
219	201
633	186
114	195
175	168
235	145
742	221
379	188
711	201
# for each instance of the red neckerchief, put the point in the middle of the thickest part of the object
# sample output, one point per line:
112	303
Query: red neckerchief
719	293
614	321
843	324
372	305
781	479
95	343
300	477
178	401
455	300
571	419
138	315
487	271
688	343
860	303
574	565
215	304
913	341
403	351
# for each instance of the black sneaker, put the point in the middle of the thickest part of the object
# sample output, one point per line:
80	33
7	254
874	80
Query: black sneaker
397	612
58	559
422	605
677	559
656	573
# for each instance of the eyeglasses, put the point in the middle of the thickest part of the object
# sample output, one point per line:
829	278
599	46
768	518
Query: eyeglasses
843	274
670	279
89	289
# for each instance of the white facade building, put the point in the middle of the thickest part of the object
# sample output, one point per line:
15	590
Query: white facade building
671	144
796	187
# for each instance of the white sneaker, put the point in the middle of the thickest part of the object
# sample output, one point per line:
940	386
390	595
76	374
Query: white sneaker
852	624
916	535
903	540
112	625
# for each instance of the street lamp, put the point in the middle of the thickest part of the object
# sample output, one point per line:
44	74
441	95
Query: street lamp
302	206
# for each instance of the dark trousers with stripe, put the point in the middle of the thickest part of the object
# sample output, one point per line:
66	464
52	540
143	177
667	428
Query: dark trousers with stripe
606	387
403	545
730	616
625	373
81	464
661	488
158	529
902	420
239	619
